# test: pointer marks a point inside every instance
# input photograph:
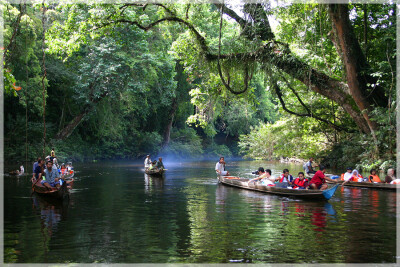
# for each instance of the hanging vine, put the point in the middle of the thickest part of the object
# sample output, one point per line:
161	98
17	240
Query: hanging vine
247	77
43	78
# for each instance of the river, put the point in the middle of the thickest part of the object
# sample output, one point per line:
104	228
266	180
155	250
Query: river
117	214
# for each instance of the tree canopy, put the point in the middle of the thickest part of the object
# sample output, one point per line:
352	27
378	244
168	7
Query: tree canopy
136	78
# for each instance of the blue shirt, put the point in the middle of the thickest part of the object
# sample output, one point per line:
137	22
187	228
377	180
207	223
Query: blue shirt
37	171
52	175
34	165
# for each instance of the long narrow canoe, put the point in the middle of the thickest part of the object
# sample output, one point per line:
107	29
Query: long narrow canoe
298	193
370	185
157	172
56	193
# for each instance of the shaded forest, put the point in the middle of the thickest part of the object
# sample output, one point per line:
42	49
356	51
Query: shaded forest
106	81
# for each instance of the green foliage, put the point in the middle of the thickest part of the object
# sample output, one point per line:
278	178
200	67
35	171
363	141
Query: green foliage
184	143
128	81
216	151
285	138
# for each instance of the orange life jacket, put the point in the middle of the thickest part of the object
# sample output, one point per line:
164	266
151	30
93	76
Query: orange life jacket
375	178
355	178
342	177
300	183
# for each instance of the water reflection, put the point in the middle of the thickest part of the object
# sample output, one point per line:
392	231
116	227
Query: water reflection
153	183
187	217
51	213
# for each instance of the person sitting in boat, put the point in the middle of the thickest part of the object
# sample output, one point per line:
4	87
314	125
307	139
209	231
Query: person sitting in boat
52	153
52	177
318	181
300	182
266	178
308	167
220	167
63	169
153	165
35	164
374	178
390	176
160	164
55	163
356	177
261	173
286	177
38	172
147	162
69	166
21	170
347	175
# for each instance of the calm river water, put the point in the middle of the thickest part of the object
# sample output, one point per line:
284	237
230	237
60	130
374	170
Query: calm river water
117	214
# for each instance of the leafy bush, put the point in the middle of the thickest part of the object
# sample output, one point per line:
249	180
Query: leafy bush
285	138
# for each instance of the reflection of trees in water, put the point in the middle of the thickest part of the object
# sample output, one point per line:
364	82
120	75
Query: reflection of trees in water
274	228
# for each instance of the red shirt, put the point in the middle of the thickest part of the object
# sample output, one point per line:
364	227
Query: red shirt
318	178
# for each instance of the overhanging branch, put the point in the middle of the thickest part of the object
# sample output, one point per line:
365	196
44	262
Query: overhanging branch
308	114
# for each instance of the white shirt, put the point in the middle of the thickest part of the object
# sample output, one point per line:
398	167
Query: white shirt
347	176
147	162
220	167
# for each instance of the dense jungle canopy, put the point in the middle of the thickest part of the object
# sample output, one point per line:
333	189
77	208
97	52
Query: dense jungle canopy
100	81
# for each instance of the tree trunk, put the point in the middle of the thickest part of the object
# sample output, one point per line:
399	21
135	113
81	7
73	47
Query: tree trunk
356	66
171	115
355	96
67	130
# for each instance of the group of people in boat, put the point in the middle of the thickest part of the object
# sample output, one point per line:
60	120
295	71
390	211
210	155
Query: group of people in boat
317	181
48	173
353	176
286	180
153	165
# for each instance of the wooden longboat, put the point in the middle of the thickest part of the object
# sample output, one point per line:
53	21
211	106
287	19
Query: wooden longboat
298	193
370	185
158	172
56	193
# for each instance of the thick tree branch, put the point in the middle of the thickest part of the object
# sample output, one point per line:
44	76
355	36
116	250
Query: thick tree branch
199	37
280	57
